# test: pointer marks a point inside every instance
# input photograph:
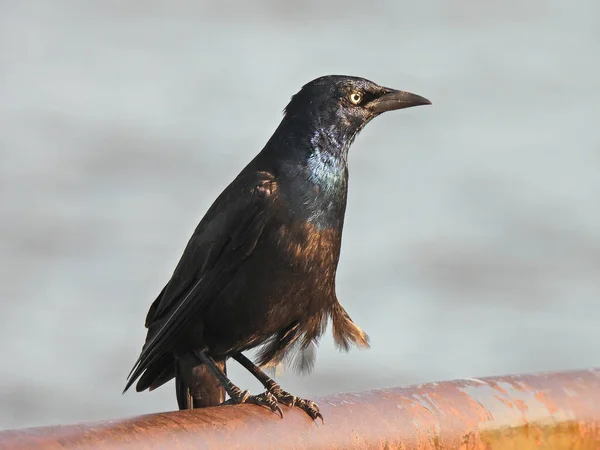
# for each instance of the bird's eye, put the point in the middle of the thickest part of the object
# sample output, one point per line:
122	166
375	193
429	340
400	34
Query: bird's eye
356	97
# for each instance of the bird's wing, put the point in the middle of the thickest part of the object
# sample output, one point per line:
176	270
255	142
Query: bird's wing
225	237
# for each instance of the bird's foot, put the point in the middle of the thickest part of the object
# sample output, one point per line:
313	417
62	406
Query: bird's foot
265	399
285	398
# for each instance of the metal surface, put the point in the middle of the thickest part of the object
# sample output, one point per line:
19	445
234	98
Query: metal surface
540	411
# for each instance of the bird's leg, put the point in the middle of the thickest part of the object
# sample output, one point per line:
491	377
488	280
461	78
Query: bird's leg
237	396
308	406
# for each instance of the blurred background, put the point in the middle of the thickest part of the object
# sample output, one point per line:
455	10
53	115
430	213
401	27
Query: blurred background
472	238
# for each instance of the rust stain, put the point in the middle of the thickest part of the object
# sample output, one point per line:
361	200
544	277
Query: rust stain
521	405
499	388
517	384
482	413
548	403
504	400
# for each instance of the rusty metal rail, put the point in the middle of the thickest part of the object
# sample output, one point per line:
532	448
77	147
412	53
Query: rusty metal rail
541	411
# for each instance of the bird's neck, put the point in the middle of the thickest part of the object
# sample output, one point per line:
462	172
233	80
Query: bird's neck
316	159
322	149
327	160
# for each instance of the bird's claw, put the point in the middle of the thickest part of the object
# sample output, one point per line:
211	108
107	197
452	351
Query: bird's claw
308	406
237	397
265	399
285	398
272	398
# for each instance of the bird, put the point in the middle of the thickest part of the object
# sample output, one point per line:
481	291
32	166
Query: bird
259	270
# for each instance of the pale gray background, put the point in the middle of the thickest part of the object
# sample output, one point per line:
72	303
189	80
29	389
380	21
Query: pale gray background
472	240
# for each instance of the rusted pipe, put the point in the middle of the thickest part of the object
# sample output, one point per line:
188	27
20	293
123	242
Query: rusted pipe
547	411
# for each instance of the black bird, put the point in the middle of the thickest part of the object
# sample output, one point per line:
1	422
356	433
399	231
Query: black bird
260	267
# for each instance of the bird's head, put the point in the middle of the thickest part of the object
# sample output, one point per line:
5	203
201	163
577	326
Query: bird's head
342	105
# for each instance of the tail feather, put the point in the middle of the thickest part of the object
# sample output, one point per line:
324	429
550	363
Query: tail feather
157	374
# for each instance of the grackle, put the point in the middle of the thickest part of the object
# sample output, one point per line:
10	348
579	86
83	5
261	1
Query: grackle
260	268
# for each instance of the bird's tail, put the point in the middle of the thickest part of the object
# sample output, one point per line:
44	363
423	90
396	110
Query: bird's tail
196	386
155	375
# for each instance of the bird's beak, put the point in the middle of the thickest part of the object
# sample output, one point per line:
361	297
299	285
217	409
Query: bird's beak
395	100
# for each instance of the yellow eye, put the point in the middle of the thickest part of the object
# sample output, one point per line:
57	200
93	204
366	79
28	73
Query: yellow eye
356	97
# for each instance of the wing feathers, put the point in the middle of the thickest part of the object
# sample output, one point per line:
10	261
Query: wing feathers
220	244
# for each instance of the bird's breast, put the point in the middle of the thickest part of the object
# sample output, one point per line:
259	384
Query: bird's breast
312	249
